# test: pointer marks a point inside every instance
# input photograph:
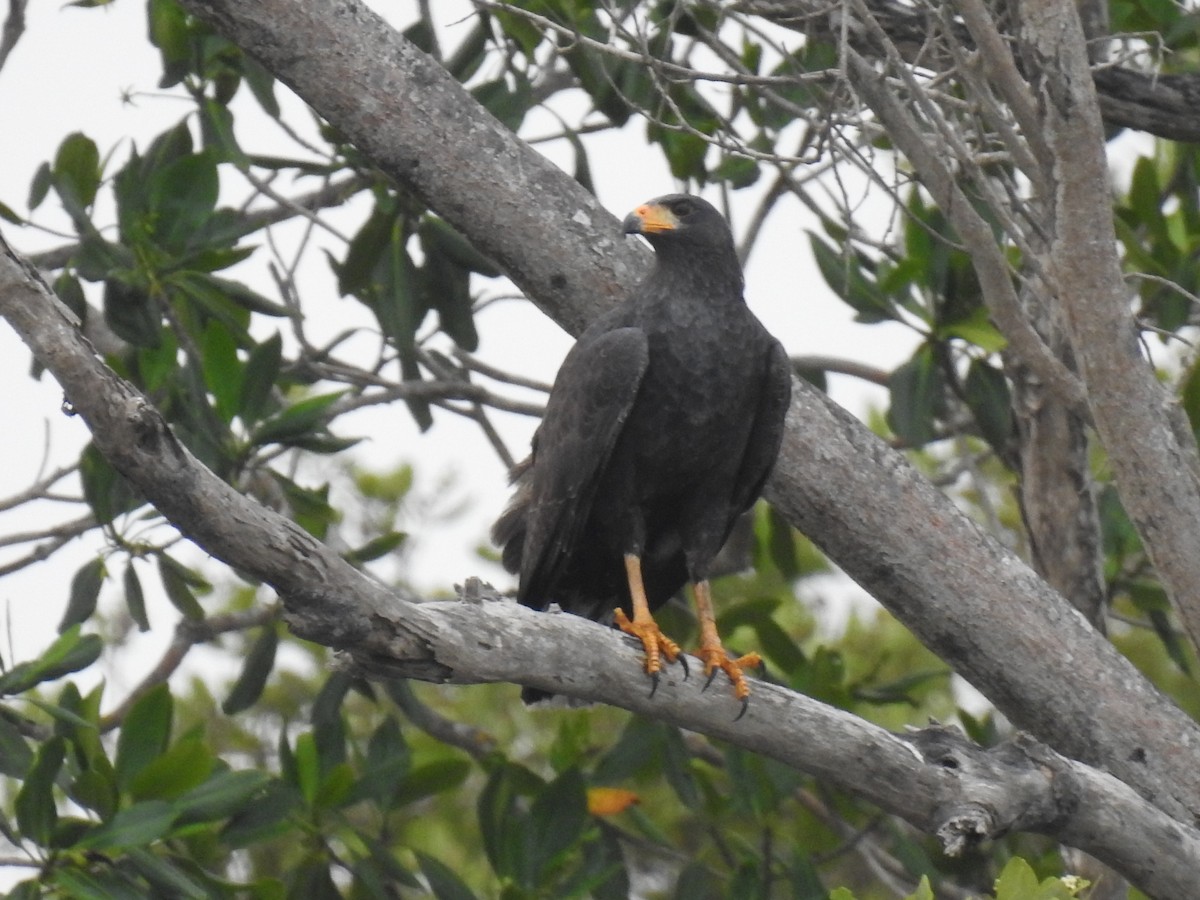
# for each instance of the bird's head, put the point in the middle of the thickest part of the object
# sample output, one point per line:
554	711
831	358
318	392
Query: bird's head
678	221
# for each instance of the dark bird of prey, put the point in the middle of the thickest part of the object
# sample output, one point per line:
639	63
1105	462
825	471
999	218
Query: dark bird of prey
663	424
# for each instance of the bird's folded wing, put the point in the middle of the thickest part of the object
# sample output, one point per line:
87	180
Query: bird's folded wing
592	397
762	446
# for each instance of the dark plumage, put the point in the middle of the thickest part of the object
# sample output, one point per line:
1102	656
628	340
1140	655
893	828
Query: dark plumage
662	426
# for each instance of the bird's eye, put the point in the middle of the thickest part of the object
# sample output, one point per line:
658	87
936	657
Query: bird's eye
681	207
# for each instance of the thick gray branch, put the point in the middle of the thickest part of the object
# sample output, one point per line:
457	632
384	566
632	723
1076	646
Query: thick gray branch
972	601
1154	464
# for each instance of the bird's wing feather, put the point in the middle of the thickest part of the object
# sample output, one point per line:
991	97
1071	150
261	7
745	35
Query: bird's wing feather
766	434
591	400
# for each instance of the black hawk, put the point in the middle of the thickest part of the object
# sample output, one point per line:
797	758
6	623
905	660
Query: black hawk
662	426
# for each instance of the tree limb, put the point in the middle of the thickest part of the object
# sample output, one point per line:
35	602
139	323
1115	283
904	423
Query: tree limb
1154	464
1160	104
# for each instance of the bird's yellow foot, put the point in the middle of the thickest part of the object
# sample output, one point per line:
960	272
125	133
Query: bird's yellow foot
716	658
656	644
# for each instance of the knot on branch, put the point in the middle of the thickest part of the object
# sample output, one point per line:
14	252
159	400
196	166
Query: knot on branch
1018	785
967	828
476	591
150	430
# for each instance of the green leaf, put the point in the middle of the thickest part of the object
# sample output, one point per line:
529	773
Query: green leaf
67	288
916	388
307	767
987	395
633	754
260	661
91	884
337	787
269	816
804	879
106	491
224	794
77	169
781	544
698	882
144	733
508	104
309	507
677	767
30	889
258	379
446	287
181	197
777	646
182	767
924	890
15	755
39	187
442	237
501	823
556	820
365	250
135	600
376	547
239	295
1017	881
168	30
217	132
132	313
262	85
85	591
70	652
520	29
738	171
843	273
327	712
442	880
135	826
295	421
432	778
35	807
978	330
1145	197
222	371
165	877
176	579
387	764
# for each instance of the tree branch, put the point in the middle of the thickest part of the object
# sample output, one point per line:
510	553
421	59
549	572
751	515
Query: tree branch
1160	104
1155	465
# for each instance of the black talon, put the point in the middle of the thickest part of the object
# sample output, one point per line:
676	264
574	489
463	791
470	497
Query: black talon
653	683
686	669
745	706
711	676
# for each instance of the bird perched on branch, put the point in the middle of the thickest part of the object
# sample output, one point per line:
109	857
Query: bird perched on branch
661	428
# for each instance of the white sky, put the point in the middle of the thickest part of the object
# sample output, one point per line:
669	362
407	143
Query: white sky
69	73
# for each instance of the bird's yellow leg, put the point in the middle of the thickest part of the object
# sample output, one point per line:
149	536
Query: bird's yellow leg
642	626
713	653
